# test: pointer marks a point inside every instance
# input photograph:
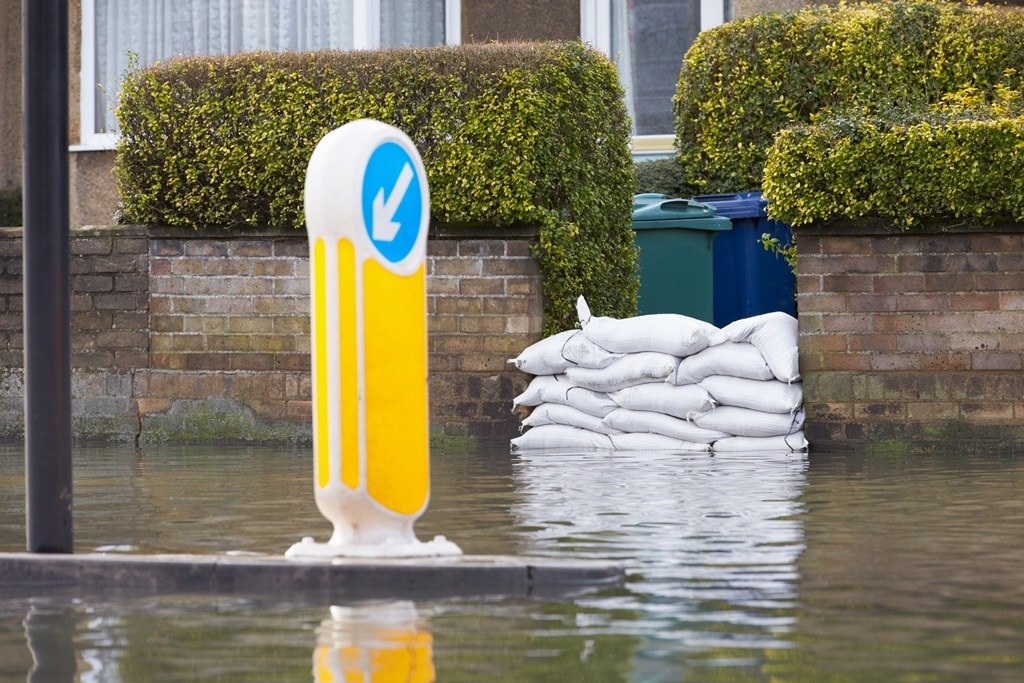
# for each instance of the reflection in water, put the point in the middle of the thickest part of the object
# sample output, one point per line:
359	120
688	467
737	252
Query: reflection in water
373	643
50	630
715	541
755	568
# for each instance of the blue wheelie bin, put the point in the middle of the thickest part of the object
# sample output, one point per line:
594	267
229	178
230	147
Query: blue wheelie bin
749	281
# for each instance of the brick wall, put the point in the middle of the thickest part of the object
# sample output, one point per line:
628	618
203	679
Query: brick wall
110	322
484	306
912	340
110	298
181	337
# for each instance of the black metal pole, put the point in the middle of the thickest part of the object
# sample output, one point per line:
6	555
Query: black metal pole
46	276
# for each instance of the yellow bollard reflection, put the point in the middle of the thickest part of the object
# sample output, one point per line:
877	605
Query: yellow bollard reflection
377	643
367	210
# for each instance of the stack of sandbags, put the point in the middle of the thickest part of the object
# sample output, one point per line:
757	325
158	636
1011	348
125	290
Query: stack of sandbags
665	382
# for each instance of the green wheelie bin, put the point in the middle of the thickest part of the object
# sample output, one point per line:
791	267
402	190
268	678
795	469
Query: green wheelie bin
675	239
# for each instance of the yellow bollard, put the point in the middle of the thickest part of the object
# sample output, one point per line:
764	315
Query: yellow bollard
367	211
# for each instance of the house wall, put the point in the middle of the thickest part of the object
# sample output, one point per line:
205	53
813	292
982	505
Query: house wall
183	337
511	20
914	340
747	8
10	95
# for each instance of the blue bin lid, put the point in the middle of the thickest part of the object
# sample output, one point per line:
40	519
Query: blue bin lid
737	205
660	210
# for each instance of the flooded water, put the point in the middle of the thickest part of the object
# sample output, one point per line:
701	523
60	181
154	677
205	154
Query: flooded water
740	568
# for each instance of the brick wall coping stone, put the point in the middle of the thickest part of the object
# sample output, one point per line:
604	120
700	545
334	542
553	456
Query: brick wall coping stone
881	226
478	231
440	231
444	231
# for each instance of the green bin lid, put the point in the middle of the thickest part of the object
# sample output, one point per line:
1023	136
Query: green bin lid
651	211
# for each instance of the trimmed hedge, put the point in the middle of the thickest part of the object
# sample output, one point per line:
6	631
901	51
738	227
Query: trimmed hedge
745	81
509	134
660	176
962	158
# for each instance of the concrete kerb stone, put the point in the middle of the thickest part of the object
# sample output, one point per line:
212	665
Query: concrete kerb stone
338	579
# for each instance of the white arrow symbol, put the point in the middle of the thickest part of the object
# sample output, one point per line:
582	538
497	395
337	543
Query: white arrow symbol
384	226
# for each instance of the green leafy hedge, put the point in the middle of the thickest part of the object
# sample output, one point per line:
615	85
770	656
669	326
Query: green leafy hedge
661	176
509	134
745	81
962	158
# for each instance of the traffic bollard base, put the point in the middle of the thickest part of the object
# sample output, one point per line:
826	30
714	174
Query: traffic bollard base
439	547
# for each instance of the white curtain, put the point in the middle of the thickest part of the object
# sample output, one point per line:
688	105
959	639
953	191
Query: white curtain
649	39
623	44
158	29
412	23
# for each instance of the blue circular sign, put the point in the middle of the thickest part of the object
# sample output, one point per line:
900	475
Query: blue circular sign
392	201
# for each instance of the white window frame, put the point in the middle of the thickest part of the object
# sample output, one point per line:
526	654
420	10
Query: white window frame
596	29
596	20
366	29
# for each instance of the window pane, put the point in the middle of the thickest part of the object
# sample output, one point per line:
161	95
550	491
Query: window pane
411	23
158	29
649	39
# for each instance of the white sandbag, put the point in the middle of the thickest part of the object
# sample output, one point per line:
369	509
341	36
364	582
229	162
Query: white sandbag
666	425
791	443
671	333
775	335
746	422
543	389
561	437
656	442
632	368
578	350
558	389
726	358
557	414
766	395
545	357
660	397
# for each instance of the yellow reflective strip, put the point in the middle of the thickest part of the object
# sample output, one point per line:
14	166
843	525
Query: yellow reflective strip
395	353
349	363
320	388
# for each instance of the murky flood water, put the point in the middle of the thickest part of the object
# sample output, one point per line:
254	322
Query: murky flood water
760	568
